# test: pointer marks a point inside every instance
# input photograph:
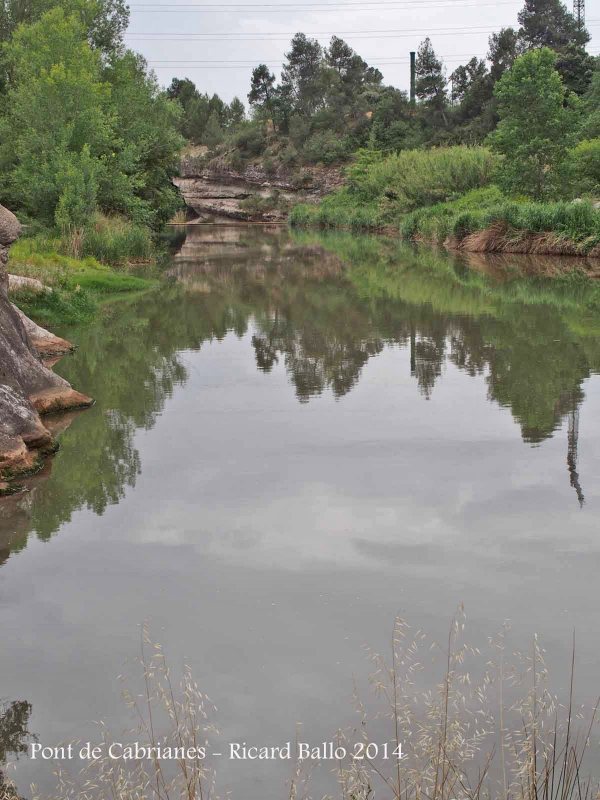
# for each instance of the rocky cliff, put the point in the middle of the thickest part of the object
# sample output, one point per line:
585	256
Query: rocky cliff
214	192
27	387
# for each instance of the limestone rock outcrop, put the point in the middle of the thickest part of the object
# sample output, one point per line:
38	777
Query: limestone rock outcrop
216	193
27	387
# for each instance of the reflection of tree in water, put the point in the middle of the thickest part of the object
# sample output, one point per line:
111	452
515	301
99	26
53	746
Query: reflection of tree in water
323	307
14	735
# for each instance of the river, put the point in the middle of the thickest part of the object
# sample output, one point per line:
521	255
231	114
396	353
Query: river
296	438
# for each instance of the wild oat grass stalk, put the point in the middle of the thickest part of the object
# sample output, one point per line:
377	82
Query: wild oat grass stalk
488	730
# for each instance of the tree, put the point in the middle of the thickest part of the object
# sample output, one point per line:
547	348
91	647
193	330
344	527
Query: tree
536	124
213	133
431	82
78	135
104	21
548	23
339	55
504	48
302	74
576	67
261	86
235	114
184	90
58	115
138	178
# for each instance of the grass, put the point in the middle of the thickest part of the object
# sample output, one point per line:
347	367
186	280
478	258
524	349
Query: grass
469	725
446	195
575	226
379	190
80	269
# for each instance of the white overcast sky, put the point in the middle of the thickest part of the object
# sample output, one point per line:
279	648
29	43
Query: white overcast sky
237	37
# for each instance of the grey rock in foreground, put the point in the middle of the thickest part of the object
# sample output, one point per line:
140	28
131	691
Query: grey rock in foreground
27	387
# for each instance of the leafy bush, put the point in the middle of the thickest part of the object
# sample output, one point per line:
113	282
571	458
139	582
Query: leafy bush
325	147
585	166
417	178
250	140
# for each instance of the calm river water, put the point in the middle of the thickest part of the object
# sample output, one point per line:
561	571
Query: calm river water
296	438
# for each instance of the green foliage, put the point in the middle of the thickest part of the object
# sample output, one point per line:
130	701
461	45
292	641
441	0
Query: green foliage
577	223
534	144
416	178
117	242
57	76
431	81
325	147
77	283
250	140
79	133
585	166
213	133
62	306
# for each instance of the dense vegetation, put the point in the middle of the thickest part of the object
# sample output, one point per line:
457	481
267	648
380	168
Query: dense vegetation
517	189
329	102
89	144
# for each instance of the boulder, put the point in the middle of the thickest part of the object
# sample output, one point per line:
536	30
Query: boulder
44	343
27	387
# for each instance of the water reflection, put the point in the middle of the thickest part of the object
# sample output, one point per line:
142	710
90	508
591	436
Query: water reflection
323	306
294	437
14	737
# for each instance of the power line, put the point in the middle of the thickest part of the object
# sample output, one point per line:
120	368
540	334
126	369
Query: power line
382	62
284	37
311	6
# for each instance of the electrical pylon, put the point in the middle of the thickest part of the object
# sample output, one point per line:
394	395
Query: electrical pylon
579	12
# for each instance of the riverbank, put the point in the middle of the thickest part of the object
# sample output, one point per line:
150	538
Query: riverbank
447	197
60	280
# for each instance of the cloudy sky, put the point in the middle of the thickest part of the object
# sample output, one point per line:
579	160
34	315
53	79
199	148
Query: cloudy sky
217	44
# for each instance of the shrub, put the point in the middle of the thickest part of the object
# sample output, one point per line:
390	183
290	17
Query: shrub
325	147
417	178
250	140
585	166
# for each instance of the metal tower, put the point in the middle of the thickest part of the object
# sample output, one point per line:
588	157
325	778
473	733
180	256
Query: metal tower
572	442
579	12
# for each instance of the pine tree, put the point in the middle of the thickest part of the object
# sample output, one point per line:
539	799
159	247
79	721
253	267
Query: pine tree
431	81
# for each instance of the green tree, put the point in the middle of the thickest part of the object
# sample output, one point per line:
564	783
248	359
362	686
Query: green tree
58	115
145	156
431	82
536	124
235	114
196	115
548	23
262	86
504	48
213	133
184	90
104	21
303	74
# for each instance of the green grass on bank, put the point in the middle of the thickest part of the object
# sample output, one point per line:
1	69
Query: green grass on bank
380	189
447	192
577	223
81	269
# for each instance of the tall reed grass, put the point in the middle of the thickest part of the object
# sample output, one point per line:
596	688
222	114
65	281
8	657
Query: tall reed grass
417	178
574	227
484	729
380	190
